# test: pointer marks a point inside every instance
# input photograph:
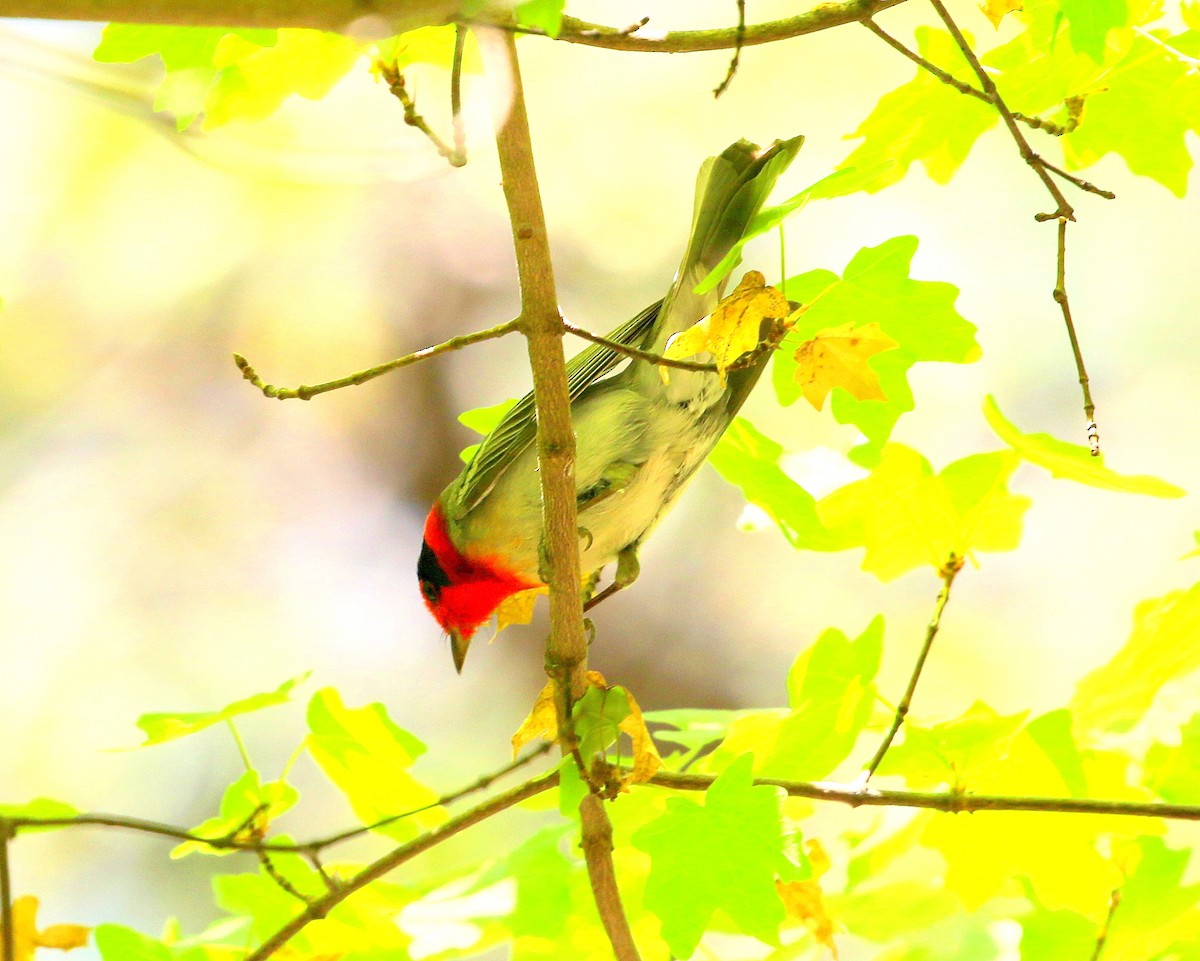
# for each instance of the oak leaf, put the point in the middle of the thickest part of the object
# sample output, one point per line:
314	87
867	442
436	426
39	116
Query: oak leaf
838	357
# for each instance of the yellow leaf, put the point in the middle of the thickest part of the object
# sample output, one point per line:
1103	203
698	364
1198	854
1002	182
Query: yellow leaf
837	357
27	938
63	936
517	609
542	721
735	327
995	10
646	759
805	902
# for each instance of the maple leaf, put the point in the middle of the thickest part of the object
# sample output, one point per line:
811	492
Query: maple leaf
837	357
541	722
27	938
735	327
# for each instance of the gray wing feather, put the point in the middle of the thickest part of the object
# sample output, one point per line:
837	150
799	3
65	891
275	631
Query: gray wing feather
518	429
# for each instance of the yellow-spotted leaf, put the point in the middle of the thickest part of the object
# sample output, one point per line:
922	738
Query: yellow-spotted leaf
1072	461
839	357
735	327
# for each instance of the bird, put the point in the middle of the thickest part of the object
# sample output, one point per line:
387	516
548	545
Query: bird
640	437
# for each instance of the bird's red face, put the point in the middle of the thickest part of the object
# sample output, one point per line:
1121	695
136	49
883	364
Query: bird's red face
460	592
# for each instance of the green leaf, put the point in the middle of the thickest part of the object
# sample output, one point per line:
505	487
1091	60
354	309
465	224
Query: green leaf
889	911
259	898
1054	935
545	15
1161	648
248	806
1090	21
253	82
749	460
42	807
1072	461
118	943
232	74
483	420
830	692
1056	853
840	183
1147	103
1173	773
188	53
367	756
906	517
723	855
918	315
925	120
1157	916
597	716
950	752
159	728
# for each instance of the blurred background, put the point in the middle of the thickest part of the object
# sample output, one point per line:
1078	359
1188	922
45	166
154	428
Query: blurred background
172	540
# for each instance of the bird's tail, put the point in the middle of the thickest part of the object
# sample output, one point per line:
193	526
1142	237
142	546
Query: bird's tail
730	190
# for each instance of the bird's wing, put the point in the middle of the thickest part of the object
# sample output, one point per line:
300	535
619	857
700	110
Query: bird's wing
518	428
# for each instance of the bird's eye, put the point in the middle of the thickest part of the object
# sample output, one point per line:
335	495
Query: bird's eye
430	591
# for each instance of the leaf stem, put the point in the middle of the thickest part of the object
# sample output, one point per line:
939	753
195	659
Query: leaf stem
947	573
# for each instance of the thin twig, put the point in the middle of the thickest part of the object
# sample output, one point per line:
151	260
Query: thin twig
395	81
8	940
949	802
1063	212
1078	181
541	323
456	118
306	392
1114	901
319	907
948	572
1060	298
264	858
739	40
597	842
961	86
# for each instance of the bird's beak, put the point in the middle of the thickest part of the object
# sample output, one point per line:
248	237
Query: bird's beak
458	647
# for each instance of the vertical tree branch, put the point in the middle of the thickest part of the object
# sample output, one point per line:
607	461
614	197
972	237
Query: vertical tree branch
8	949
596	835
542	325
540	322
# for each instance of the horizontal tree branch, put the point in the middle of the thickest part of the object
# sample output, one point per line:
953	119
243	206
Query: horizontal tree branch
377	18
821	17
950	802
